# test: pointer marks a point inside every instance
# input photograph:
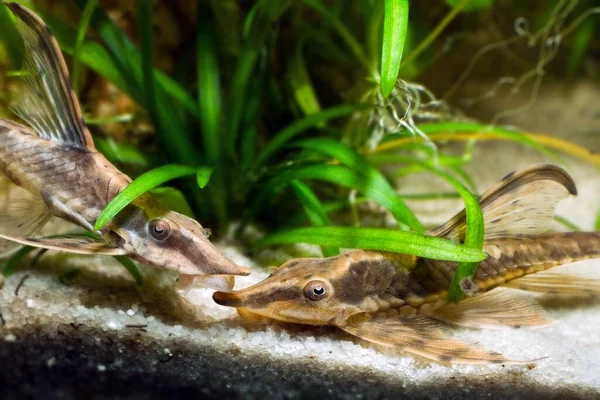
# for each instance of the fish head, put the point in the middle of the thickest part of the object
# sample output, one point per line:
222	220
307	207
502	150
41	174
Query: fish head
173	241
315	291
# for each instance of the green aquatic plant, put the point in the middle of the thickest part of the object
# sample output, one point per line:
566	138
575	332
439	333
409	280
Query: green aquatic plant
265	126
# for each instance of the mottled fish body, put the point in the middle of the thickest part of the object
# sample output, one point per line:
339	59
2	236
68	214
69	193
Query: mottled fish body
399	300
74	182
52	168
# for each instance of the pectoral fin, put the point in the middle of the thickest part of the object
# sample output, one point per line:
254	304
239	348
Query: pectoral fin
422	336
21	213
498	308
78	244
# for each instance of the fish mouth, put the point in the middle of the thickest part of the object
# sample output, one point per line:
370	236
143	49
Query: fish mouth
228	299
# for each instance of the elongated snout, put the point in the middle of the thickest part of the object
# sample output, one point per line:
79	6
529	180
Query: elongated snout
202	257
223	266
214	266
228	299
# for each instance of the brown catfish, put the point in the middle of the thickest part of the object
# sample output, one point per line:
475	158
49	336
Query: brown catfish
54	170
399	300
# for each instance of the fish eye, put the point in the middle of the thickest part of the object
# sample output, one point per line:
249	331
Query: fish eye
316	290
159	229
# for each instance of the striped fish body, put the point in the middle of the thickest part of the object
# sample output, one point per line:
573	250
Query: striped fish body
400	300
509	258
58	172
75	183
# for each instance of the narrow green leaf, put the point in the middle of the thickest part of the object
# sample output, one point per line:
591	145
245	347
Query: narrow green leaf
299	80
227	13
246	65
314	211
16	259
580	44
173	199
297	127
374	178
36	258
395	24
567	223
470	5
144	14
120	152
139	186
440	128
252	113
346	177
597	223
86	16
106	65
336	150
171	124
209	86
475	231
473	237
203	176
411	243
132	268
373	35
329	207
267	12
341	29
310	202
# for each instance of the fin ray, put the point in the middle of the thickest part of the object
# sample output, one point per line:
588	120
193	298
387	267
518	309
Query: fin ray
21	213
422	336
497	308
558	283
521	203
77	245
45	98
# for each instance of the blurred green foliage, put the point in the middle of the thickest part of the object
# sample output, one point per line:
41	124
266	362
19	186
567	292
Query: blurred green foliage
293	106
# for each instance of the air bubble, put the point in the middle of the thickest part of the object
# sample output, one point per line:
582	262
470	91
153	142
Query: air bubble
521	26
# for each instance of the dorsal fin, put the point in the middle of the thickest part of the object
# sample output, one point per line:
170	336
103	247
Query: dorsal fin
45	98
523	202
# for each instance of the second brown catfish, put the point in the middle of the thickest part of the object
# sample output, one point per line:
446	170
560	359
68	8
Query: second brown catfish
53	169
399	300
